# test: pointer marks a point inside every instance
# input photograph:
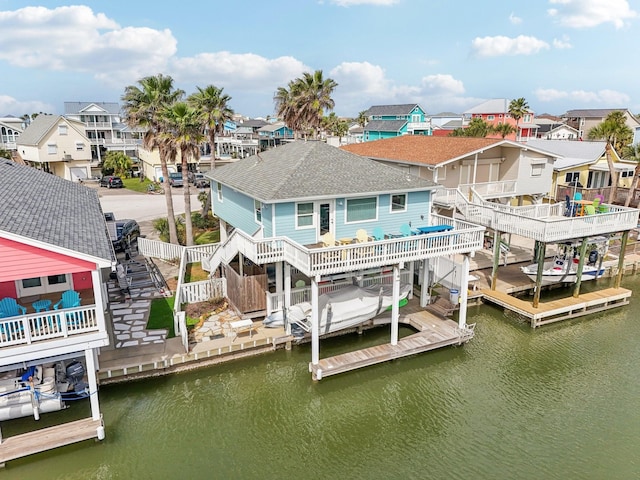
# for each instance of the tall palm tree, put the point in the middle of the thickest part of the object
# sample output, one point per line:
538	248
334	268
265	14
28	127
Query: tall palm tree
213	107
518	108
143	106
614	130
632	152
503	129
183	133
362	118
302	105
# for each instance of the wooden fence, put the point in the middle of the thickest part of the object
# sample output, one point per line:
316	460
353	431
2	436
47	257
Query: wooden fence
246	293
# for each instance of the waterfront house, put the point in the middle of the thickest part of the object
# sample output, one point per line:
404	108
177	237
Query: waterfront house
387	121
585	119
496	111
300	209
582	167
10	130
497	169
53	239
274	134
57	145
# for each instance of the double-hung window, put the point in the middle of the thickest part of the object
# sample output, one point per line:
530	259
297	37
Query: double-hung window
257	205
399	202
304	215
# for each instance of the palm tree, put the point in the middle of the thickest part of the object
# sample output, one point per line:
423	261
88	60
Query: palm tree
362	118
503	129
632	152
517	109
303	104
615	132
213	107
183	133
477	128
143	106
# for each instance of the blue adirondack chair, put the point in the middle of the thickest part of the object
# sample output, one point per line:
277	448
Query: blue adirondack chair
405	230
378	233
69	299
10	308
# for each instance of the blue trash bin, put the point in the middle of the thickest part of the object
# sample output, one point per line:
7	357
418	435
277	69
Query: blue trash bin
454	296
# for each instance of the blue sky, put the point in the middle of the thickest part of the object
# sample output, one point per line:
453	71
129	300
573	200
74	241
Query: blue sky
444	55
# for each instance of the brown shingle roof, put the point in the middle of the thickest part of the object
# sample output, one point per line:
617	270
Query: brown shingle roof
420	148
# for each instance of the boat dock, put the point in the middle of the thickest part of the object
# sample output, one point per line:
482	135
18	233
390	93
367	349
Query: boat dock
560	309
433	333
38	441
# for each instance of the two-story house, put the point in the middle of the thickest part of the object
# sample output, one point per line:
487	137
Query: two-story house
10	130
585	119
56	145
53	241
496	111
387	121
322	211
274	134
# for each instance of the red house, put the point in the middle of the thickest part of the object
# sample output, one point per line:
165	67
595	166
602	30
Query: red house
496	111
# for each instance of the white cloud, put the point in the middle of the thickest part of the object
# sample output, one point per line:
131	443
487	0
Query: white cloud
515	19
350	3
591	13
17	108
442	84
562	43
500	46
604	97
76	39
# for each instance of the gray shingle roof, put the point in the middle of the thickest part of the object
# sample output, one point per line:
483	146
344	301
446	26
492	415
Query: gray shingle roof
76	107
592	112
40	206
37	129
385	125
303	170
574	153
403	109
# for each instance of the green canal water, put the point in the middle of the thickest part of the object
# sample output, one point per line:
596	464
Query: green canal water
560	402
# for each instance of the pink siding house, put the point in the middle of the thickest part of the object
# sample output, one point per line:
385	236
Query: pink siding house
53	239
496	111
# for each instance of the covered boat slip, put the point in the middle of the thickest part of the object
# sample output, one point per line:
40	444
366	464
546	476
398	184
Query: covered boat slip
38	441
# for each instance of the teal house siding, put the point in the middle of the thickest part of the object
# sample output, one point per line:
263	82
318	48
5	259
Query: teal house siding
235	208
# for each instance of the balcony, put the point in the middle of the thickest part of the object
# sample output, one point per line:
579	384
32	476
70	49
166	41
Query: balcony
412	126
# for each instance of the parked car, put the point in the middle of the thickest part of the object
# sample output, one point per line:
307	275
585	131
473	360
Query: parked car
175	179
199	181
111	181
127	232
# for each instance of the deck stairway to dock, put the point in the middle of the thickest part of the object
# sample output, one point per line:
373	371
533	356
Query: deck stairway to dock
542	222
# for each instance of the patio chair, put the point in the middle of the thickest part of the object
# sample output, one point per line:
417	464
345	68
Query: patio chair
10	308
405	230
70	299
596	203
577	196
570	210
362	236
589	210
378	234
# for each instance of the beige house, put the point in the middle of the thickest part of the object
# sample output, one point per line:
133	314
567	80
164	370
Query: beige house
151	167
56	145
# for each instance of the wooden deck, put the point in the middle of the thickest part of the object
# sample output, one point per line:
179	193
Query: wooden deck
45	439
562	308
434	332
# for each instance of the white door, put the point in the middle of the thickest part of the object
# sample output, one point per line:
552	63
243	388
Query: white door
324	218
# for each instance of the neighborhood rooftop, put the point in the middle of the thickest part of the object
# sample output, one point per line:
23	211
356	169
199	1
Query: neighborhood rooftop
313	169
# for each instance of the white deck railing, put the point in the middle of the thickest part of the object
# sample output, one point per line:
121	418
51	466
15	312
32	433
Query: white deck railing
52	324
203	290
158	249
464	238
491	189
542	222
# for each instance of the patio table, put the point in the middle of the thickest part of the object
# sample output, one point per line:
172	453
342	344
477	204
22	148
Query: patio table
41	305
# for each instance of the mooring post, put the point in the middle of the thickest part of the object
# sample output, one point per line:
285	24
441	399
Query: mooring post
496	259
540	254
623	247
583	252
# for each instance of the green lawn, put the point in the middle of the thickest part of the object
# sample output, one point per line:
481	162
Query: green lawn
161	315
210	236
136	185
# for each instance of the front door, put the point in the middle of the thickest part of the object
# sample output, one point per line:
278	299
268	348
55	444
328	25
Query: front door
325	223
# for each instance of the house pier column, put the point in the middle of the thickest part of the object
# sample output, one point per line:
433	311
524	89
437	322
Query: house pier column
411	274
395	313
540	254
278	266
93	384
287	297
583	253
315	326
623	247
496	258
464	292
96	282
424	286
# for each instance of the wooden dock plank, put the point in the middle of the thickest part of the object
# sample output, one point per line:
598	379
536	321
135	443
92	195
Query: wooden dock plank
38	441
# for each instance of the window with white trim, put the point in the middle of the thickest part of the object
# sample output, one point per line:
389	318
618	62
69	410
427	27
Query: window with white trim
257	205
304	215
62	129
536	170
79	146
40	285
52	148
399	202
571	177
362	209
219	188
491	117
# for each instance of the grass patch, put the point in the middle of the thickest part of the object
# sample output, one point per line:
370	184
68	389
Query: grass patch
209	236
136	185
161	315
195	273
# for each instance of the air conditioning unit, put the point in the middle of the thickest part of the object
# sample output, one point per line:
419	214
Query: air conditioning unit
66	158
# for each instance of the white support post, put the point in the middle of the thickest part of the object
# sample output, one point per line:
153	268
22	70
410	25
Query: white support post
424	287
287	296
223	228
98	300
315	322
278	266
411	274
93	384
464	292
395	308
